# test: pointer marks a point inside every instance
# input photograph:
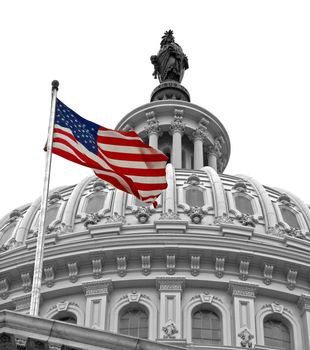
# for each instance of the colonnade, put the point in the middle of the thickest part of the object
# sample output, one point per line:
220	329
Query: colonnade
200	137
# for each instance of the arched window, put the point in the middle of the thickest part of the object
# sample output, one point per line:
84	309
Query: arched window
290	218
244	205
95	203
134	321
194	197
206	327
277	334
65	316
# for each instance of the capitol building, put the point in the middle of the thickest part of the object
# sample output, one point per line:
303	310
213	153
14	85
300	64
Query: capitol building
221	263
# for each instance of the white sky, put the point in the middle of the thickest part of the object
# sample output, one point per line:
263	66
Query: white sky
249	66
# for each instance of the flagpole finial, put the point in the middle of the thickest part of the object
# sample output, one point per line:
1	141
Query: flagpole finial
55	84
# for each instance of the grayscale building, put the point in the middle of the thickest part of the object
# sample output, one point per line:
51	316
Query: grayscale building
221	263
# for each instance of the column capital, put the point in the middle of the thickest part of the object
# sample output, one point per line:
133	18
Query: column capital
170	284
98	287
199	134
304	302
152	126
242	289
177	124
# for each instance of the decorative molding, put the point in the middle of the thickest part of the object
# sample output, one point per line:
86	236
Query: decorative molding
291	278
242	289
224	219
170	284
196	214
276	307
63	306
219	266
5	339
146	264
268	270
244	269
98	287
246	338
206	297
169	215
121	264
97	267
195	265
73	271
4	288
170	267
49	276
170	330
26	281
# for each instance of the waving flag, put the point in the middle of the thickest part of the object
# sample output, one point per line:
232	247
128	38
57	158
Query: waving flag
118	157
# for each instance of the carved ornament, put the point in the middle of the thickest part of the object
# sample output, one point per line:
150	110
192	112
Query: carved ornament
142	214
121	264
99	185
97	287
246	338
224	219
170	267
291	278
170	284
196	214
219	266
169	215
73	271
116	218
242	289
240	186
268	270
4	288
49	276
247	219
146	264
170	330
195	265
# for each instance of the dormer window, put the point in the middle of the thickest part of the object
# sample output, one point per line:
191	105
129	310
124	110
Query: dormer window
194	197
244	205
290	218
95	203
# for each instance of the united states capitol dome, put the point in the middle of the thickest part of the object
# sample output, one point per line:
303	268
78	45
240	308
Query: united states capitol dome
221	263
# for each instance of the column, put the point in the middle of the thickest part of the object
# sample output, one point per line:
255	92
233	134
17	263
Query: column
170	289
199	137
152	129
96	293
304	305
177	129
214	153
244	313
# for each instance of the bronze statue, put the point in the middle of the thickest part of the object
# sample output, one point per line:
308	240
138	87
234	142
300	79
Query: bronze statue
170	62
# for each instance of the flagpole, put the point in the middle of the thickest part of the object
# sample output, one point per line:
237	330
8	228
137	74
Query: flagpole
38	264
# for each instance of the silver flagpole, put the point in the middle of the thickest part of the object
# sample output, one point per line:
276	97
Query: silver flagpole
38	264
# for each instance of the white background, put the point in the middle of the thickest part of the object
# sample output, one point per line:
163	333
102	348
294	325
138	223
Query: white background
249	65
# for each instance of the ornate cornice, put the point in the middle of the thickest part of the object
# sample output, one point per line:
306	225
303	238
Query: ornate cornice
98	287
170	284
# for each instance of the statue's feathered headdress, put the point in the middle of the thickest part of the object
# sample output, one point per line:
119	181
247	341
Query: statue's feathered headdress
168	35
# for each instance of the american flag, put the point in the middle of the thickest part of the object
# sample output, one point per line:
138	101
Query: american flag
118	157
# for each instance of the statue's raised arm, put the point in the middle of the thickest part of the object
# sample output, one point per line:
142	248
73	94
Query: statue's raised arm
170	62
